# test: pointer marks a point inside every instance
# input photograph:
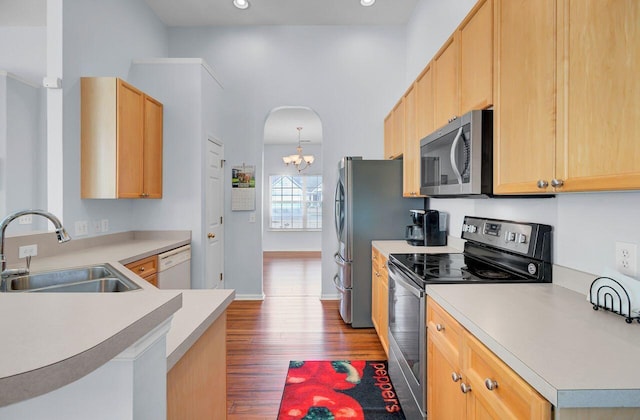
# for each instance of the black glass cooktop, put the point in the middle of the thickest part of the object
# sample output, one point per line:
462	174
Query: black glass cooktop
453	268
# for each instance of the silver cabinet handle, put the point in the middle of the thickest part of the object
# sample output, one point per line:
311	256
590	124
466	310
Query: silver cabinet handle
465	388
542	183
555	183
455	377
490	384
439	327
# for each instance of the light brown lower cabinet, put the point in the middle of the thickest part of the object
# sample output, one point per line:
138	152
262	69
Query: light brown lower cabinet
147	268
465	380
197	384
380	297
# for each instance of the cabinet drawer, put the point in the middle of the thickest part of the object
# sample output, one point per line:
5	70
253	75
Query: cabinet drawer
145	267
445	331
511	397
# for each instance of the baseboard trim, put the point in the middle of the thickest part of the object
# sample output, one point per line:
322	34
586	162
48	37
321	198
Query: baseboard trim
330	297
292	254
249	297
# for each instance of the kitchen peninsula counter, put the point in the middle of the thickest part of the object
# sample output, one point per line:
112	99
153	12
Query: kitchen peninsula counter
53	339
573	356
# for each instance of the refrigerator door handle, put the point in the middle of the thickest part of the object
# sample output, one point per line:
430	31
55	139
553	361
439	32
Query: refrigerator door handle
339	260
336	282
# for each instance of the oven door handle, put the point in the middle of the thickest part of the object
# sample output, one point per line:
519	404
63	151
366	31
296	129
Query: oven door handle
397	276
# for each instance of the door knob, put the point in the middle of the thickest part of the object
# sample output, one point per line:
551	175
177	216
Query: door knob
211	235
556	183
465	388
455	377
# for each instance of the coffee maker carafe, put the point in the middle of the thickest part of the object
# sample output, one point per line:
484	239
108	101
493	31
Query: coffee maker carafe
414	234
429	228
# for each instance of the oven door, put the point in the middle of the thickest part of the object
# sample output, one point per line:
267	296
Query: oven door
407	342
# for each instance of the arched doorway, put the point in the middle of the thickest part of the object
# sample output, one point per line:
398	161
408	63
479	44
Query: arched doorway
292	204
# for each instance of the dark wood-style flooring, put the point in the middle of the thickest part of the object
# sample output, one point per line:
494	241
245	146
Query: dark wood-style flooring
292	323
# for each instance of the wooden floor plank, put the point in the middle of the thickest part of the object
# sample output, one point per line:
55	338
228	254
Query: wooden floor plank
292	323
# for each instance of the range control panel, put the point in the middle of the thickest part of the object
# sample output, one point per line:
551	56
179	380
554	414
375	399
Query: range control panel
511	236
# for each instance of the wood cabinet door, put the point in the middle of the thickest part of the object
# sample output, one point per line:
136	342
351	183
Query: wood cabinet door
599	95
129	143
411	147
152	161
398	130
425	107
510	398
388	135
383	304
476	58
445	400
445	82
525	95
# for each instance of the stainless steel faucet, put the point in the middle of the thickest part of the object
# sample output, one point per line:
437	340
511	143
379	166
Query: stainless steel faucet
61	233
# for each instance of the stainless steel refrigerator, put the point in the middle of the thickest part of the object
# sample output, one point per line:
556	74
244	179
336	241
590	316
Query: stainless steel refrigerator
368	206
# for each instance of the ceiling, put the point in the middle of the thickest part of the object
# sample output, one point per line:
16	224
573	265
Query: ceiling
280	127
222	12
282	12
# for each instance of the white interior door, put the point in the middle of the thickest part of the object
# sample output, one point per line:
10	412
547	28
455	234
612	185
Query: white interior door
214	196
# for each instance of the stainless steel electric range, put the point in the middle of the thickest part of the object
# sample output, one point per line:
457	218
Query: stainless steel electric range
495	251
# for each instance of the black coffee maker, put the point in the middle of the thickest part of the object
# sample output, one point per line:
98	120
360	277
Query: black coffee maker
429	228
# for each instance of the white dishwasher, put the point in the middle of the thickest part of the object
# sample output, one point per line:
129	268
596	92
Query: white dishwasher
174	268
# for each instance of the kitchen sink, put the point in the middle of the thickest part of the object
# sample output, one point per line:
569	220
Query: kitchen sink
92	279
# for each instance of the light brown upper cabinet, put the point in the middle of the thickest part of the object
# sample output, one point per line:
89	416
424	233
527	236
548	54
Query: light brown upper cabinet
411	155
475	36
598	95
394	132
425	124
445	82
524	111
568	101
463	68
121	140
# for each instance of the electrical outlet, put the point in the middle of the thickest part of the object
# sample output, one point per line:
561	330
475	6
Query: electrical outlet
27	219
627	258
28	251
105	225
97	226
252	217
82	228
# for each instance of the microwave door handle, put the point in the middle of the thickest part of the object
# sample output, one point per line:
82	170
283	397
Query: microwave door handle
454	164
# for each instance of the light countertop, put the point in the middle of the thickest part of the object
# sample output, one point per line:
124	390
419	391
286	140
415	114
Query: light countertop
548	334
551	336
52	339
454	245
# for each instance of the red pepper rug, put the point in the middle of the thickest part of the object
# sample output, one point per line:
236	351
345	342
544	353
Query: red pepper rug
333	390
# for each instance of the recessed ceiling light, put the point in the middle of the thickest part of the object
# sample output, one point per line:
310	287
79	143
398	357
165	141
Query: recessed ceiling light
243	4
367	3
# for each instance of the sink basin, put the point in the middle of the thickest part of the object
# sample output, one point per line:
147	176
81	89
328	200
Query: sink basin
92	279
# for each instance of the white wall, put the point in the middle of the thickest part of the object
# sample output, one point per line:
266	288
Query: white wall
22	173
273	165
192	100
349	75
586	225
100	38
23	51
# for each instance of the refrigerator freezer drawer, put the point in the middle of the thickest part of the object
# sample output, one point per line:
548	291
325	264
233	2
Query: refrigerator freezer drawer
344	271
345	300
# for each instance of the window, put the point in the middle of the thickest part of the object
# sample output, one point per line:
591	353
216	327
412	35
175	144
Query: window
295	202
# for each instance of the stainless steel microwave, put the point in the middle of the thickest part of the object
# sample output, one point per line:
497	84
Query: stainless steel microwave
457	159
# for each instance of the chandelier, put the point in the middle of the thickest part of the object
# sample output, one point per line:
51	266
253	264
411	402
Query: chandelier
300	161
